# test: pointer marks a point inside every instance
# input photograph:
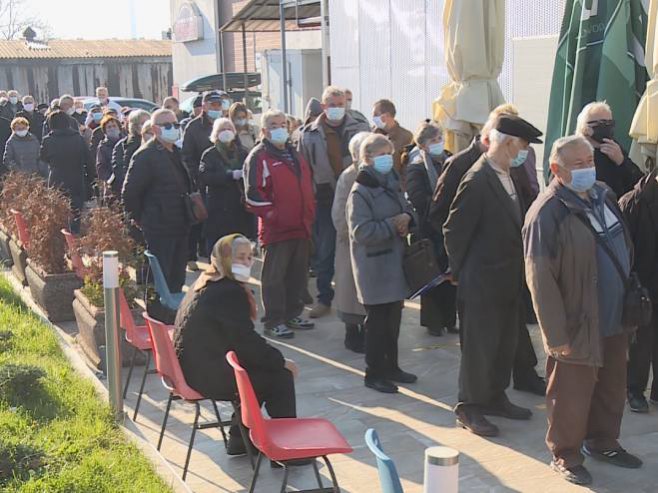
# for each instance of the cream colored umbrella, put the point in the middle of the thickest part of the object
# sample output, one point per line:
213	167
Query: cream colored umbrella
474	43
644	129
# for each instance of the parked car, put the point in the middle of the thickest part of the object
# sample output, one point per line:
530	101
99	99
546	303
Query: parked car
135	103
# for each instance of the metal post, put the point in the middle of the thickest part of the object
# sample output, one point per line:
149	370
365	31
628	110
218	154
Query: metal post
244	65
284	57
324	23
222	52
112	341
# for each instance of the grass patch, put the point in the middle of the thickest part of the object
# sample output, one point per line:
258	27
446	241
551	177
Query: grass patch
59	436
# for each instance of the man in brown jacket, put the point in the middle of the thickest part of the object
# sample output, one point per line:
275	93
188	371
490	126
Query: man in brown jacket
383	114
571	234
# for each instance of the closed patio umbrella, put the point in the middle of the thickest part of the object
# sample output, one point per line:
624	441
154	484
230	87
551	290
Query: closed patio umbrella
474	50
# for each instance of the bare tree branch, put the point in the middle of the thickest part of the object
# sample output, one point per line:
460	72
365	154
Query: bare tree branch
15	17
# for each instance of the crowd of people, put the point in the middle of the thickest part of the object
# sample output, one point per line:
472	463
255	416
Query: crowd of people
341	198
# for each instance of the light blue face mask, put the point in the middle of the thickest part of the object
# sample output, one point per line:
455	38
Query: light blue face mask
241	122
226	104
97	117
520	158
279	136
214	114
170	135
383	164
582	179
436	149
335	114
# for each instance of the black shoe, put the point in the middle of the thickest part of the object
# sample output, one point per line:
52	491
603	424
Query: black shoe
505	409
638	403
576	474
381	385
617	457
533	385
435	331
236	445
453	330
471	419
400	376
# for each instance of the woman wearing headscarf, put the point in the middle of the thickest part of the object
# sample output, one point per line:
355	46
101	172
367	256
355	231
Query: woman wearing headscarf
438	307
221	171
348	308
217	316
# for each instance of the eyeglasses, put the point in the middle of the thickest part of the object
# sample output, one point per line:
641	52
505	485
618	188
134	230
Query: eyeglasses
169	125
601	123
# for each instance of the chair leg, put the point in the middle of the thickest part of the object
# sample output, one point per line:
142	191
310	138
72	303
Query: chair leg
220	423
332	474
130	371
285	478
141	387
317	473
189	448
244	434
164	421
255	477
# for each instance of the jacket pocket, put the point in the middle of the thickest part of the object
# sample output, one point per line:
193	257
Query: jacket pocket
579	337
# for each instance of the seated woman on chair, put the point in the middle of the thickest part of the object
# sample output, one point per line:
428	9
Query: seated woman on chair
217	316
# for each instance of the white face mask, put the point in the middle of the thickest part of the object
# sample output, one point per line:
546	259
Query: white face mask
226	136
241	272
28	106
70	111
21	133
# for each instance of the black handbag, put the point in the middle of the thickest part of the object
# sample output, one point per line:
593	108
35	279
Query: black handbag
419	265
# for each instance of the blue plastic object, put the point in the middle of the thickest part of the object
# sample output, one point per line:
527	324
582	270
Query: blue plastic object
167	298
388	474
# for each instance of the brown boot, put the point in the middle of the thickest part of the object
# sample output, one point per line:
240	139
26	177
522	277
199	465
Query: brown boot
319	310
472	419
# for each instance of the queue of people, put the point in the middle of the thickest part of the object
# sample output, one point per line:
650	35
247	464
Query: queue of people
341	197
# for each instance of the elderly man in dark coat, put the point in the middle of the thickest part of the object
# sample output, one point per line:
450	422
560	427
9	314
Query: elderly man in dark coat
485	252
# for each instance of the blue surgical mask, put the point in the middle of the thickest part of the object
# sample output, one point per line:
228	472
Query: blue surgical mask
378	122
383	164
170	135
520	158
214	114
582	179
436	149
226	104
113	133
13	100
97	117
335	114
279	136
241	122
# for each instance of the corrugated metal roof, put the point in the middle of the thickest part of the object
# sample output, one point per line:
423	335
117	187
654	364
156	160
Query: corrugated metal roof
84	48
263	15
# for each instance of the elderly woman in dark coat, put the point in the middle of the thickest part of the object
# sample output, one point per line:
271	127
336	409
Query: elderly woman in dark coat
221	171
378	219
217	316
438	307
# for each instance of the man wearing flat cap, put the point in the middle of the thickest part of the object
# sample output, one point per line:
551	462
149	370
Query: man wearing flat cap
483	241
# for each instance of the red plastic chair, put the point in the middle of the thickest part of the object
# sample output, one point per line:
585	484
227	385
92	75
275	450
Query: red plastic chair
286	439
168	367
21	227
72	244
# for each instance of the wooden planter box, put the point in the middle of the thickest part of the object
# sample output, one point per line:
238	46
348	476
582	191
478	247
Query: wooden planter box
19	257
5	252
53	292
91	331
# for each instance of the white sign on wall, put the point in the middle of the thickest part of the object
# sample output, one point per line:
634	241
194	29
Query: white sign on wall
188	25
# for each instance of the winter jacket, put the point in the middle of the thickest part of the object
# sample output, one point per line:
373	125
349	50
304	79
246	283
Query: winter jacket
376	249
620	178
36	122
195	141
225	195
68	162
73	124
5	133
279	190
121	155
348	307
22	153
104	159
8	111
154	189
562	272
640	208
313	146
211	322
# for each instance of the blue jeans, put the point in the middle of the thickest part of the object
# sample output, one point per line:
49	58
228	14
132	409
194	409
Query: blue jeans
324	238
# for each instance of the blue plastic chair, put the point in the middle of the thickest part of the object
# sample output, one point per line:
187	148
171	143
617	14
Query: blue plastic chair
167	298
388	474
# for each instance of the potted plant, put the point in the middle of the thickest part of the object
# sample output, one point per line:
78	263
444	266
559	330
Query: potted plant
46	212
103	229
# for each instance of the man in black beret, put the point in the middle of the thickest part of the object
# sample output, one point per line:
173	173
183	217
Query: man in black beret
485	252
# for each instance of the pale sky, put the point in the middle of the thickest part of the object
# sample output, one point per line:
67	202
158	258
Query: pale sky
103	19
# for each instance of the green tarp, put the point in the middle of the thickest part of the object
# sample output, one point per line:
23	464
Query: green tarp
600	56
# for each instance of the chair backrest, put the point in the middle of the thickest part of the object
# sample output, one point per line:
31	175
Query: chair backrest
166	362
249	407
76	260
127	320
388	474
21	227
159	279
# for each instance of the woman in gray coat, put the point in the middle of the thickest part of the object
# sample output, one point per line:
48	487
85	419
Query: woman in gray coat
22	150
348	308
378	219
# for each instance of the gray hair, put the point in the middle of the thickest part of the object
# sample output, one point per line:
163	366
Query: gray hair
332	91
219	123
583	116
374	143
269	115
355	145
499	137
135	121
237	243
565	143
66	96
160	112
27	97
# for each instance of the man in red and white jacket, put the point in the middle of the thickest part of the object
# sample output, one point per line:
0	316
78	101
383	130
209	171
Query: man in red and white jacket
279	190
